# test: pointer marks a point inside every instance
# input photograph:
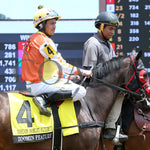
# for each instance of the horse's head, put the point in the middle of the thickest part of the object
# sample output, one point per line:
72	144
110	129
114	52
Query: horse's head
137	76
126	72
137	79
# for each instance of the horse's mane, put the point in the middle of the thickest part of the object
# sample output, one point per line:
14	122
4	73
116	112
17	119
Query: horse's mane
102	70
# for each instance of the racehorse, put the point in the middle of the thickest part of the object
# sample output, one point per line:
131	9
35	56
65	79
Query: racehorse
107	80
135	124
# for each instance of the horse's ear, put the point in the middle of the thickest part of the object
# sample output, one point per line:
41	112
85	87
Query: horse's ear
138	55
133	53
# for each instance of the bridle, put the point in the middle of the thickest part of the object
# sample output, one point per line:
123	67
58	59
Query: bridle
134	84
128	89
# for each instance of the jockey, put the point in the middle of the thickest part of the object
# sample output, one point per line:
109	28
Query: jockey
46	73
97	50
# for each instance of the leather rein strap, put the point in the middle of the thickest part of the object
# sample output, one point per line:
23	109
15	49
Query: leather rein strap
120	88
117	87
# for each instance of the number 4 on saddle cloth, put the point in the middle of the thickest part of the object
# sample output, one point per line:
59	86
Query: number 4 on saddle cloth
28	125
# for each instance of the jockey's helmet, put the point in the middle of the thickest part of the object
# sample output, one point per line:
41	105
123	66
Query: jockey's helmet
106	18
43	14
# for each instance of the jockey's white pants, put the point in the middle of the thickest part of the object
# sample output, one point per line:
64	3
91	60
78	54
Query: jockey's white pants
53	85
114	113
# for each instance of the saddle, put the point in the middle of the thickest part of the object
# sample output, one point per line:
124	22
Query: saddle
142	119
57	131
26	93
138	113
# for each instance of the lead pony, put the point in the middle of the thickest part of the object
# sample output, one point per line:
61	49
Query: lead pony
139	138
100	96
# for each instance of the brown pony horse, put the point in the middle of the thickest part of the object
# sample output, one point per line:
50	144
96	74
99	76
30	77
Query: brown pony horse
100	97
139	135
138	139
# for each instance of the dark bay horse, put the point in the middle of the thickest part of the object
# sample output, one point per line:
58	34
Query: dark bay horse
138	138
100	97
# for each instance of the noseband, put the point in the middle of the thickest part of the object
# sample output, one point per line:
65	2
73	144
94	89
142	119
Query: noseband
134	83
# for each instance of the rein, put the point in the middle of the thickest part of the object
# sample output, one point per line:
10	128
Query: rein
120	88
86	125
117	87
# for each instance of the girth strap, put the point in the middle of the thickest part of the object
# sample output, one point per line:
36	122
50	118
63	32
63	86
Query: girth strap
94	124
90	109
57	132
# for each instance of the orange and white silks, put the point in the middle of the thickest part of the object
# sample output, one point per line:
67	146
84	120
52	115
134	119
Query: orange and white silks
40	60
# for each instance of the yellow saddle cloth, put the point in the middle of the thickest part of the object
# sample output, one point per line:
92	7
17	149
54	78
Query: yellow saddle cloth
29	126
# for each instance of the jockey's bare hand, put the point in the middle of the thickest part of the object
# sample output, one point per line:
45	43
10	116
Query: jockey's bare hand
87	73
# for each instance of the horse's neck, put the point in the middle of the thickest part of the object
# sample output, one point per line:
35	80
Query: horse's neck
100	96
117	78
101	99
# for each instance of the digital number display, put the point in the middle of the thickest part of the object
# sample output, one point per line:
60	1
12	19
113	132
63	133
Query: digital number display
134	29
70	45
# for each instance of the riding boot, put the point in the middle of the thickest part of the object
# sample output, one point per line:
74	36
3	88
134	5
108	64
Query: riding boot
40	102
110	134
58	96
